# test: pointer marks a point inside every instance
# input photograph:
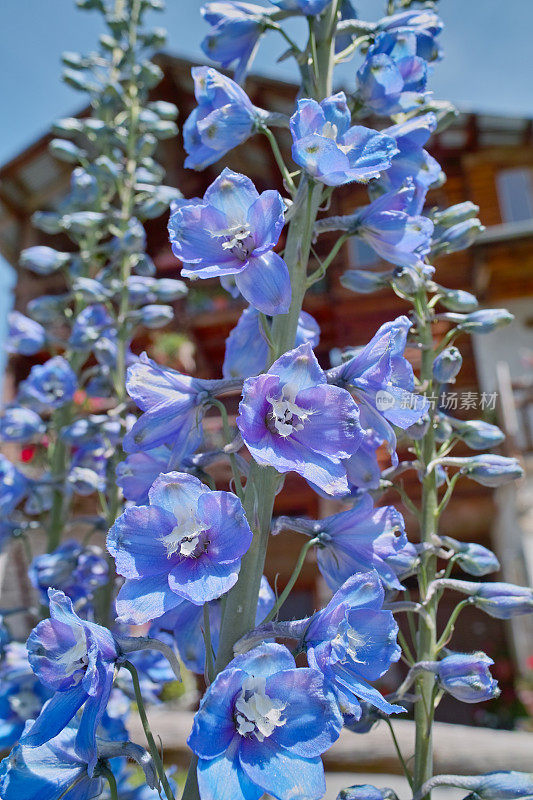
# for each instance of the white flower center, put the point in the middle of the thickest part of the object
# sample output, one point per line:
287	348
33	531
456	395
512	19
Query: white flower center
330	131
286	415
257	714
352	642
76	657
238	239
184	538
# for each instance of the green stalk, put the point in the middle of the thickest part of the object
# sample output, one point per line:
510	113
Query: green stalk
426	636
262	484
292	580
154	752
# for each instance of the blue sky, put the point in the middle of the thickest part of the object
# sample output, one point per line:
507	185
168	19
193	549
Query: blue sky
488	64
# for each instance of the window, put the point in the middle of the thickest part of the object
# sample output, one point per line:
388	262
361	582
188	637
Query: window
515	194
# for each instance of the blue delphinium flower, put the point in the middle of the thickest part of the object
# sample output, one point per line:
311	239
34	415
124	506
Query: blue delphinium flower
223	119
76	659
353	541
331	150
233	231
353	642
75	569
19	424
51	384
289	419
412	161
392	78
185	624
247	349
383	382
261	727
173	406
187	543
13	485
363	469
89	325
308	7
424	24
466	676
21	695
25	336
50	771
87	472
389	227
235	33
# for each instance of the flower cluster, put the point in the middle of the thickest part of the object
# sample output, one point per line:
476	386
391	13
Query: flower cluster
183	473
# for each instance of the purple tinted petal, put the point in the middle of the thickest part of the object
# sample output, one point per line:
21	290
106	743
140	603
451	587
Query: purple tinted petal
312	720
231	195
281	774
265	283
213	727
135	543
229	533
222	778
266	221
299	369
145	599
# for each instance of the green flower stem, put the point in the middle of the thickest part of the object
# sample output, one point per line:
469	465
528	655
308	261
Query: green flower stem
105	771
321	271
289	183
228	437
450	626
154	752
209	663
399	753
263	482
292	580
426	635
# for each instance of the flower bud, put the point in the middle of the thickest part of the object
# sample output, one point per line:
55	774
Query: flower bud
505	786
80	222
486	320
168	289
47	308
461	212
407	280
459	237
64	150
419	429
492	470
163	109
363	281
447	365
443	429
458	300
67	127
156	316
504	600
466	677
477	434
366	792
43	260
472	558
47	221
19	424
